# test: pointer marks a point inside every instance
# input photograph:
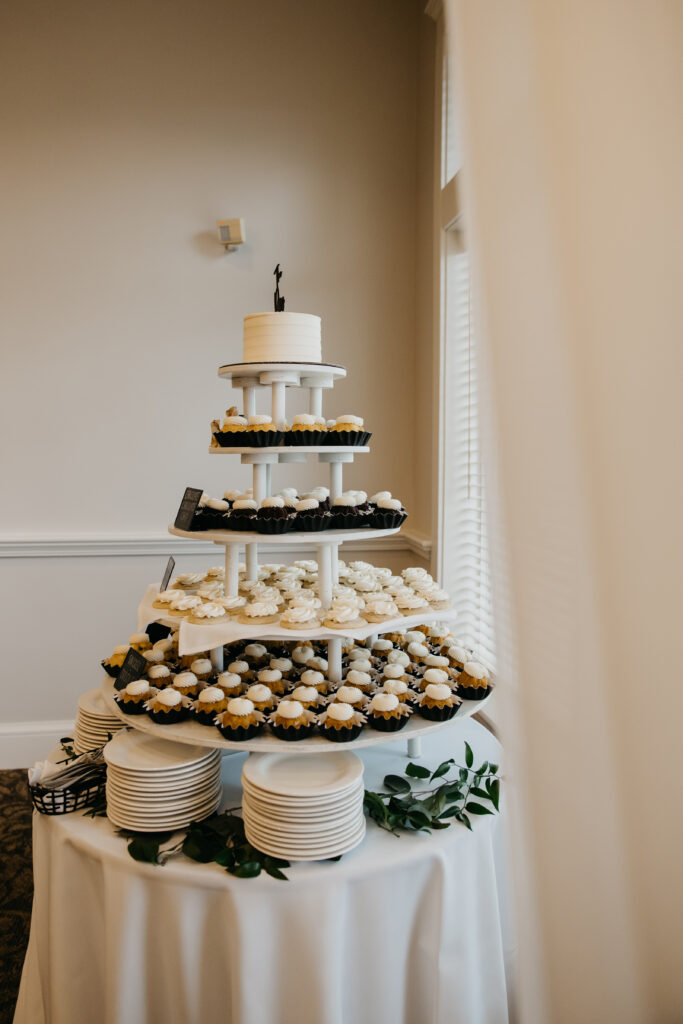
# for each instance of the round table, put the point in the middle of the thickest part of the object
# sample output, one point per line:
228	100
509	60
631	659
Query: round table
404	930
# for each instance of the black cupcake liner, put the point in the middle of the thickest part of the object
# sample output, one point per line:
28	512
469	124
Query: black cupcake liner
111	670
264	438
231	438
240	522
313	523
242	732
437	714
210	519
292	735
347	521
350	438
387	724
384	519
130	707
271	526
341	735
473	692
169	717
299	438
205	717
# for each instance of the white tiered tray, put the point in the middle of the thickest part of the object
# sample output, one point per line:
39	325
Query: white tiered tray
193	638
313	538
295	449
193	732
311	372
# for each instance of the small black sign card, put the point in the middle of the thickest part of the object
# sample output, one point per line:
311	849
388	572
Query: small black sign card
133	668
155	631
167	575
188	507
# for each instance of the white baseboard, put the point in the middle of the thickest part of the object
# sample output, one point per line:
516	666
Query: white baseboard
24	743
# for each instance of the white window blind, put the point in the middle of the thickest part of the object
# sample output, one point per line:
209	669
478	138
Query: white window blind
465	529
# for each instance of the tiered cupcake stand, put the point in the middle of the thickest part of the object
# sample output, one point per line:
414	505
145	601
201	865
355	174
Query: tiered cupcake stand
253	377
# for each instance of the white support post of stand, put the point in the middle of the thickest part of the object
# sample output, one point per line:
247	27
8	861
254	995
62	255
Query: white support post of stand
259	481
268	483
315	401
232	570
335	480
334	563
249	400
334	657
252	561
415	747
371	639
278	404
324	575
217	659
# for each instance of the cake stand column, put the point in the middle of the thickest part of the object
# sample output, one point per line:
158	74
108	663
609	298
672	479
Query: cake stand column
315	401
249	400
334	657
334	563
259	481
252	561
335	460
278	404
415	747
232	570
324	576
217	659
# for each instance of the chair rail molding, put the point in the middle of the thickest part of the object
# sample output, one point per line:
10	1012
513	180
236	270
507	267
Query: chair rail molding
155	544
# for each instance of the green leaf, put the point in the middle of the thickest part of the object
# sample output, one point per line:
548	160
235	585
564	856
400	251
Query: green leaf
226	858
375	806
436	802
419	819
469	756
494	791
396	784
202	846
416	771
452	790
474	808
450	812
477	791
442	769
248	869
439	824
464	775
144	849
394	820
271	868
226	825
461	817
493	768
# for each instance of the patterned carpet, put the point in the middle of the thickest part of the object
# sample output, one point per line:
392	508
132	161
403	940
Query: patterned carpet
16	885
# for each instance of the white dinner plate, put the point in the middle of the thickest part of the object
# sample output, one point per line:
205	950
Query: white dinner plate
303	840
303	813
303	775
159	792
155	803
172	810
93	703
306	821
171	813
135	751
322	853
280	800
168	825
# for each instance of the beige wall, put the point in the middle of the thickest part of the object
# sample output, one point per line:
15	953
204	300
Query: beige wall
128	129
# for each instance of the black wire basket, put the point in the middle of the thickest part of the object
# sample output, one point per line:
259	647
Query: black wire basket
73	798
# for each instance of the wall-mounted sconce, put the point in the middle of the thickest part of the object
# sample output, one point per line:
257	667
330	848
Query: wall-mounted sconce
231	233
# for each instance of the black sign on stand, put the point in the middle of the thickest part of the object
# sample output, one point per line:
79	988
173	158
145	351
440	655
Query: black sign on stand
155	631
133	668
188	507
167	575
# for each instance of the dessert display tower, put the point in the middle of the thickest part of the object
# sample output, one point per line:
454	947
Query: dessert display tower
278	377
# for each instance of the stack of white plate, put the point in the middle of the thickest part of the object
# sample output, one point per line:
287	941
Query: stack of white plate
94	722
303	806
155	785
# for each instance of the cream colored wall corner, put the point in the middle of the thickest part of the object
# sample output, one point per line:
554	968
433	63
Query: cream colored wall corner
128	129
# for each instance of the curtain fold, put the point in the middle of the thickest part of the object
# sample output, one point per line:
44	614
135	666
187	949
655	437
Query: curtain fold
572	134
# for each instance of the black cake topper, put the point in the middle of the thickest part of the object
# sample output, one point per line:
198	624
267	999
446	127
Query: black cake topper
278	300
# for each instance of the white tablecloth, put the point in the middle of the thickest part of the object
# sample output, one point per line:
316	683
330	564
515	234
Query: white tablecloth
400	931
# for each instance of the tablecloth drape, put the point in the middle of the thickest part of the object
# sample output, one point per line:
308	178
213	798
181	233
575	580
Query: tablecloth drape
401	931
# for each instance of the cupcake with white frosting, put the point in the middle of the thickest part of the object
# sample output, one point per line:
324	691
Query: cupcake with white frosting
160	676
380	608
473	681
342	615
211	514
387	713
257	655
300	616
387	514
341	723
436	676
361	680
314	678
230	684
311	516
348	429
209	703
349	695
168	707
306	429
242	515
112	664
232	430
261	432
273	516
133	698
240	667
272	678
399	687
345	514
202	668
259	613
187	684
261	696
240	720
308	696
208	613
291	721
139	642
438	703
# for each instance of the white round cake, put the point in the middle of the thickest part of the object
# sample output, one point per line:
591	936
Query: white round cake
282	338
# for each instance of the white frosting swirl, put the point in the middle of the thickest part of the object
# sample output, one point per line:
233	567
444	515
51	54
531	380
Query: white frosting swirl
391	504
289	709
300	614
339	712
259	420
138	638
395	686
436	661
238	667
260	609
186	679
417	650
153	657
382	645
210	695
380	496
306	504
435	675
349	695
186	602
137	687
357	421
210	610
475	670
311	677
228	680
308	694
384	702
303	419
259	693
342	613
393	672
275	502
170	698
159	672
269	675
240	706
398	658
217	504
281	664
201	667
438	691
255	650
357	678
247	503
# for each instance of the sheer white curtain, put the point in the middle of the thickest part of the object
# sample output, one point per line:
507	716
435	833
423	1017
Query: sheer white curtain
573	162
